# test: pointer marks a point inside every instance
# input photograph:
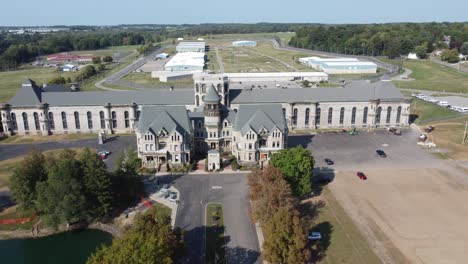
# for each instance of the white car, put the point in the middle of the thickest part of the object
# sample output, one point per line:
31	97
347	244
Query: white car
314	236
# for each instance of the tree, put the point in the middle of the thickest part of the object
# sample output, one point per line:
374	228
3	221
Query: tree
147	241
305	83
421	51
464	48
107	59
268	191
126	178
61	198
101	67
451	56
296	165
25	177
57	80
285	238
97	185
96	60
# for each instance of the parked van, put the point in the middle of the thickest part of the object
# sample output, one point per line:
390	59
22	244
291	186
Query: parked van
443	103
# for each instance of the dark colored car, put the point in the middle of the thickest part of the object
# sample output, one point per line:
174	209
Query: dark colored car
329	162
381	153
361	175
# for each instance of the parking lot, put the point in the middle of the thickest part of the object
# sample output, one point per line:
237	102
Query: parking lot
412	208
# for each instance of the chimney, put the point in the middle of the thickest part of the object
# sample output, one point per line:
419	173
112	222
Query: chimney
171	88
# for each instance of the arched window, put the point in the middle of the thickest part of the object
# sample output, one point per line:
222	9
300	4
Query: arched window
64	120
342	115
284	112
103	120
36	121
77	120
389	115
197	100
398	115
51	121
377	115
114	119
364	117
295	117
197	88
307	115
90	120
138	114
330	115
226	87
203	88
353	116
127	119
318	116
14	122
220	88
25	121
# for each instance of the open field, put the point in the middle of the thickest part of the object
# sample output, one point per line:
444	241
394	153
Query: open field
28	139
416	215
145	79
110	51
11	81
429	112
431	76
342	241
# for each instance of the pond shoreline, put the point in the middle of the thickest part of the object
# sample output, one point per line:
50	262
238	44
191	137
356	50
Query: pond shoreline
43	232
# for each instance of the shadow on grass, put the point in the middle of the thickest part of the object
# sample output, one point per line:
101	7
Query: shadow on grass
319	247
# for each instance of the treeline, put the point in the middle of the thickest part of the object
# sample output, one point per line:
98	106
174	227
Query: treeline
18	49
390	40
71	187
214	29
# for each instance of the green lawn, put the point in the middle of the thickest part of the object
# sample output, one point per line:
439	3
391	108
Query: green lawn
13	213
215	240
429	112
431	76
123	50
342	241
11	81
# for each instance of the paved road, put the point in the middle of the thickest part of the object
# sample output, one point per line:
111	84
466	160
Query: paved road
196	191
114	144
432	92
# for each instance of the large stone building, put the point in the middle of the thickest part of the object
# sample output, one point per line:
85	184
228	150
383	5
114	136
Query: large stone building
172	126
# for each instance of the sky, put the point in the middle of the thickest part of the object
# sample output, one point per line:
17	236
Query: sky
114	12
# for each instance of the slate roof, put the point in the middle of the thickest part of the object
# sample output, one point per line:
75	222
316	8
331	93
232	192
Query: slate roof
168	118
211	95
356	91
55	88
30	95
256	117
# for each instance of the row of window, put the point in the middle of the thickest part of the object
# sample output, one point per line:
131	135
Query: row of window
342	115
64	120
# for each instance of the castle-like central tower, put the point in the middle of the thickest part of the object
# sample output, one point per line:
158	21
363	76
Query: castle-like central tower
212	114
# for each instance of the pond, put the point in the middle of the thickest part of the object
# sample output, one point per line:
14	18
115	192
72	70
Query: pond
70	248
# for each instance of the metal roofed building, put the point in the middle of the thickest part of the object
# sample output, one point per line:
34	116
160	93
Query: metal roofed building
253	123
277	76
191	46
340	65
315	62
186	61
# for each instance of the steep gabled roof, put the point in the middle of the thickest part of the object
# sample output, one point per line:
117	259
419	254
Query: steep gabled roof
167	118
28	95
211	95
256	117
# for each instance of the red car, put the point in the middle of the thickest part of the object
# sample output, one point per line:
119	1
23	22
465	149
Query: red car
361	175
102	156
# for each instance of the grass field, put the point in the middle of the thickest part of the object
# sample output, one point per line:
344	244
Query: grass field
215	241
146	79
27	139
431	76
429	112
342	241
13	213
123	50
11	81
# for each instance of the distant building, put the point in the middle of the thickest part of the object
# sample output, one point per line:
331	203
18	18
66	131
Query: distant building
200	39
186	61
62	58
412	56
191	47
277	77
244	43
340	65
180	39
69	68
